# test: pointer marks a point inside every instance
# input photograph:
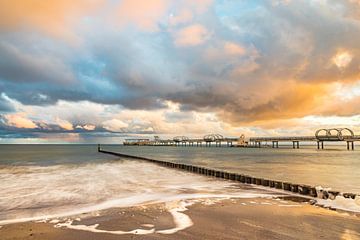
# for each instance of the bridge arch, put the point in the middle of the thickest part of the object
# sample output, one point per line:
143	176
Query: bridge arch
213	137
180	139
333	134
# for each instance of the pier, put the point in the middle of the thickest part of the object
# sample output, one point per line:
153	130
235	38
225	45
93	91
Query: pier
216	140
301	189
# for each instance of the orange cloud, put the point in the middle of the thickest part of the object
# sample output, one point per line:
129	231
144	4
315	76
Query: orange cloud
234	49
283	101
144	14
191	35
186	10
19	121
184	16
53	17
64	124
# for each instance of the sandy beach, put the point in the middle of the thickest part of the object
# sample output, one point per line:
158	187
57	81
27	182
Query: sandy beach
259	218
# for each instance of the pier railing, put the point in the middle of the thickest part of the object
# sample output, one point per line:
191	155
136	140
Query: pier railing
217	140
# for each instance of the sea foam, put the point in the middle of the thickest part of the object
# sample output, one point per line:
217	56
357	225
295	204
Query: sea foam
30	193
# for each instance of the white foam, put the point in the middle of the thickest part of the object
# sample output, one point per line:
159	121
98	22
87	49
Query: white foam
181	220
148	225
67	190
93	228
342	203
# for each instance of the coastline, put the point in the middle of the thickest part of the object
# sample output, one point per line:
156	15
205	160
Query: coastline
254	218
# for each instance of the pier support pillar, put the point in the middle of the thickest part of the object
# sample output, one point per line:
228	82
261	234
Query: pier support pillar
295	144
322	144
348	143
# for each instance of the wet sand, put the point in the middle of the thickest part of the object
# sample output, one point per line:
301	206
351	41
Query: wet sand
226	219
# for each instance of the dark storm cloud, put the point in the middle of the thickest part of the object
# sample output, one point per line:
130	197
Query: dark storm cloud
5	104
16	65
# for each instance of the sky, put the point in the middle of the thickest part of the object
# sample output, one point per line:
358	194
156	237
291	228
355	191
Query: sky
104	70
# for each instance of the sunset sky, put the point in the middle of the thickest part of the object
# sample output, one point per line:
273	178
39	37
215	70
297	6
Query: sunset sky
104	70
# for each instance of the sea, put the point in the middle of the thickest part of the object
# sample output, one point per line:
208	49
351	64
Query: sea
41	181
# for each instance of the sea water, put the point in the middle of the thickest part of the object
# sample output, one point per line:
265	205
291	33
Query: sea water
333	167
48	181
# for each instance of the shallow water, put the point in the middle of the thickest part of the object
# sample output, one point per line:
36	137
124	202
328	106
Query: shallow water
47	181
44	181
334	167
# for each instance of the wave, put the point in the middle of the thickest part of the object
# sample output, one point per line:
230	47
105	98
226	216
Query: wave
33	192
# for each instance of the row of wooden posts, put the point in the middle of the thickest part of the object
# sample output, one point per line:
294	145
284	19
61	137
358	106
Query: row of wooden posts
294	188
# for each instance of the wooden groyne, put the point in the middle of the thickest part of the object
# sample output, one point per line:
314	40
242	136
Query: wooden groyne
302	189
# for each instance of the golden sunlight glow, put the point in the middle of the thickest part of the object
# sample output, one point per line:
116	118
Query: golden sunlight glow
342	59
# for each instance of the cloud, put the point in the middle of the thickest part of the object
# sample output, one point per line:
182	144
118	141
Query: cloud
240	63
52	17
342	59
19	121
191	35
17	65
5	104
183	16
89	127
115	125
66	125
231	48
143	14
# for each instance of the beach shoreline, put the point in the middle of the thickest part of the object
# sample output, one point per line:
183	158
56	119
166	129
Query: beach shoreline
254	218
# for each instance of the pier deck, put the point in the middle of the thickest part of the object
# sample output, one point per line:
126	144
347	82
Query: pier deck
217	140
